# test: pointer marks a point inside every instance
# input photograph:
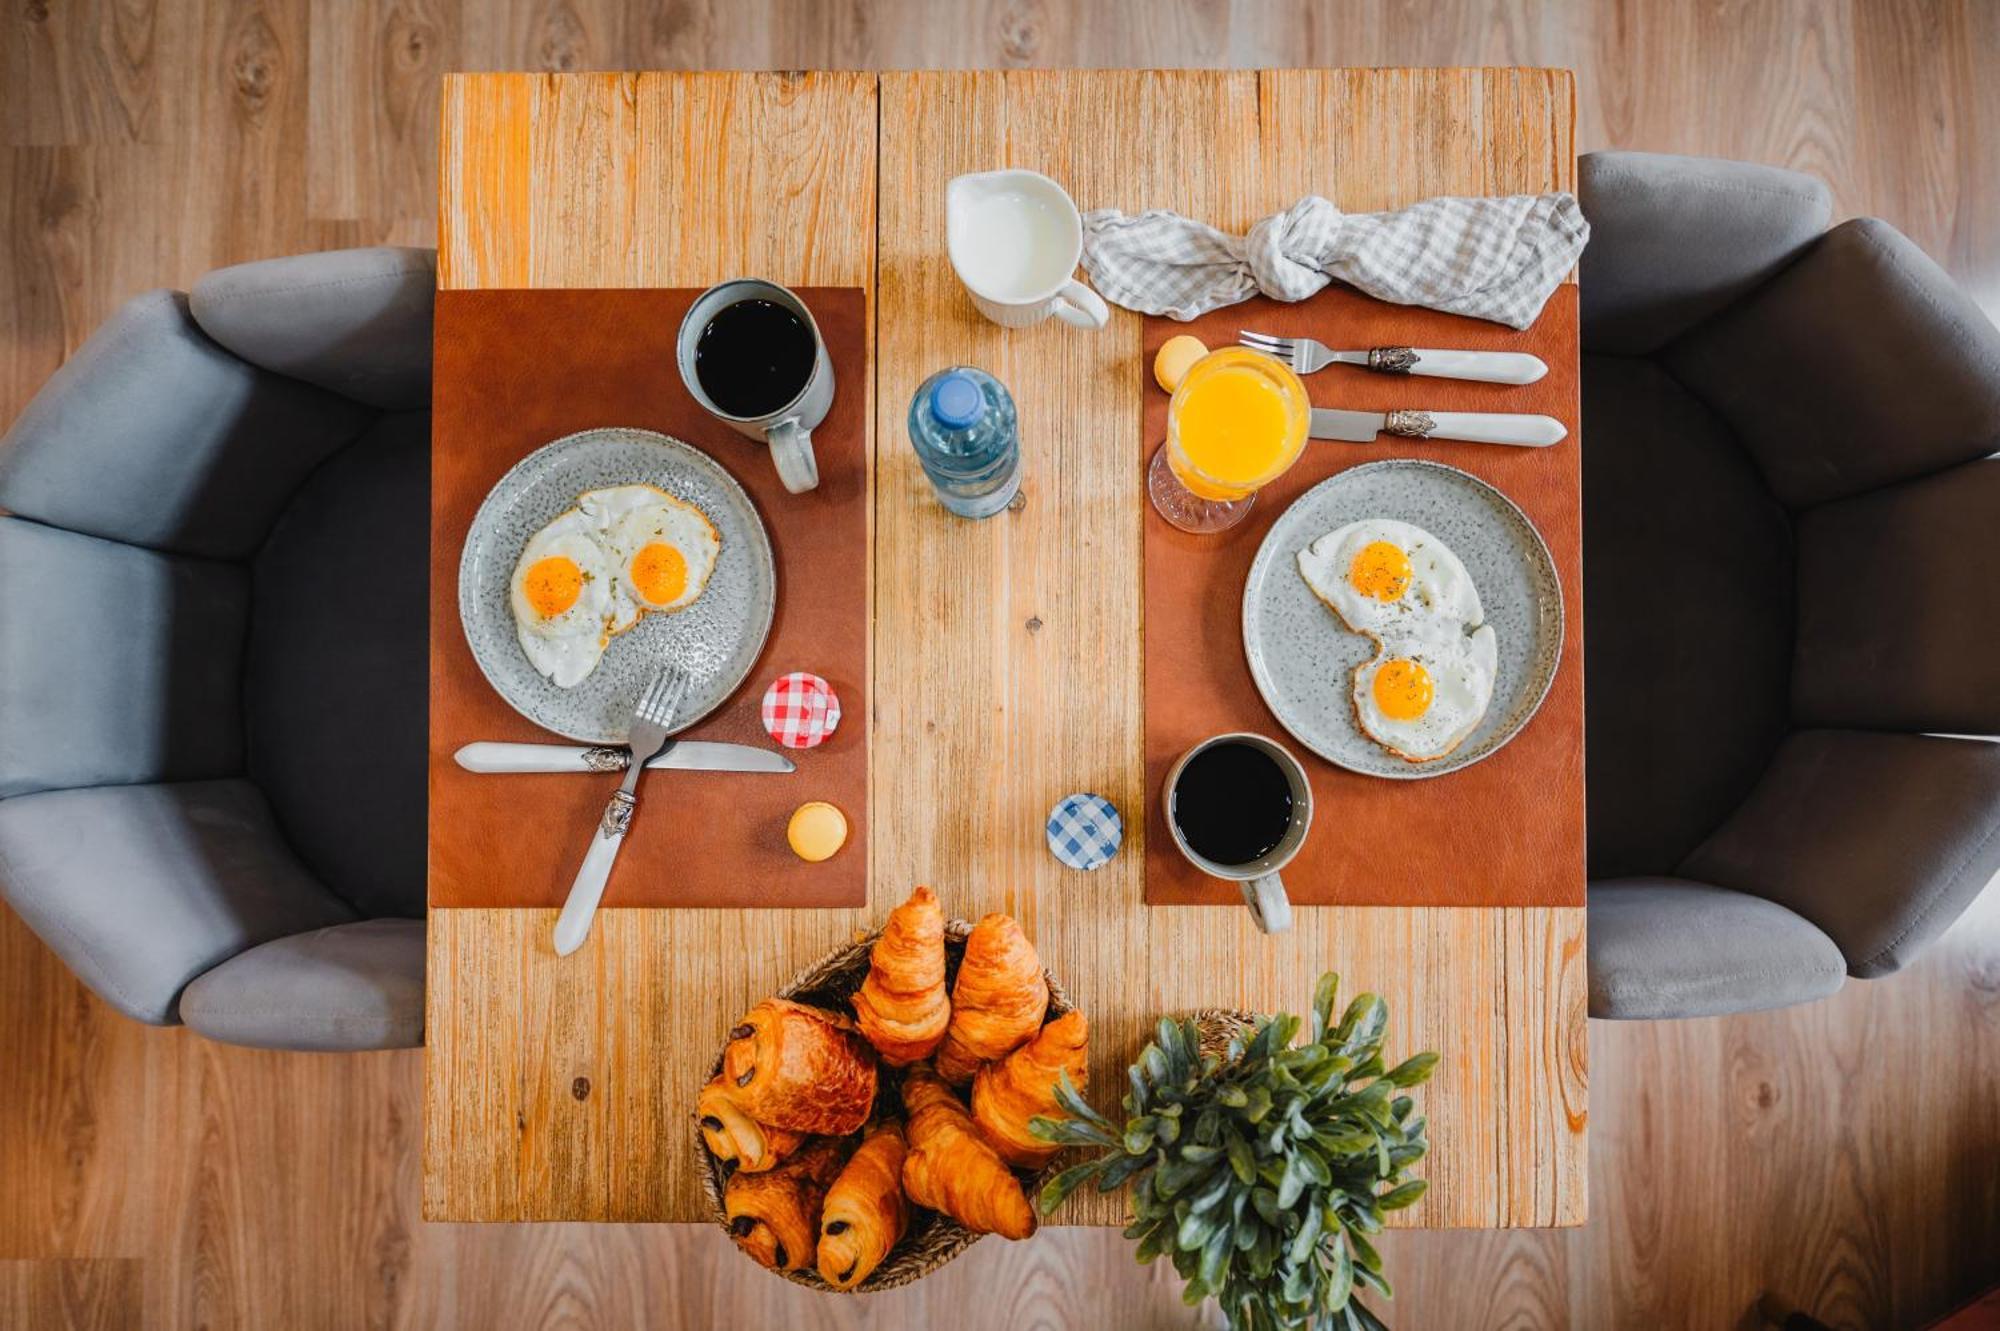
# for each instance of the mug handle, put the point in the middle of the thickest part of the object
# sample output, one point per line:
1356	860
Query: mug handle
1269	906
1078	304
792	449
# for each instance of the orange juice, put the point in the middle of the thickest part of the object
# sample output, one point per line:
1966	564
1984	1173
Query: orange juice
1237	422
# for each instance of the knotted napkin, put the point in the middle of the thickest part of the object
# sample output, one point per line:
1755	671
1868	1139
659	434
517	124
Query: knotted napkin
1490	258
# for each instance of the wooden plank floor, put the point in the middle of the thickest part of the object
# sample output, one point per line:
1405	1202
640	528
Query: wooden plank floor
1846	1156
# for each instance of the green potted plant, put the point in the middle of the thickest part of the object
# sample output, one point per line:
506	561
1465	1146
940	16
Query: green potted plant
1261	1171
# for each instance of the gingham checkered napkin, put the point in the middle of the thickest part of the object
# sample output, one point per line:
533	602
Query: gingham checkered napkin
1490	258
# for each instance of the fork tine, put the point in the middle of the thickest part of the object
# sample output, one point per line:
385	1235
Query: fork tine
649	701
1264	339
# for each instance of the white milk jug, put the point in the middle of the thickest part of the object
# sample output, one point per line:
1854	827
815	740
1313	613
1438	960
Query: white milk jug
1015	238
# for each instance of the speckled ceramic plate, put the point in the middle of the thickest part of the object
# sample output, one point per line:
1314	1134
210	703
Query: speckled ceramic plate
716	639
1303	658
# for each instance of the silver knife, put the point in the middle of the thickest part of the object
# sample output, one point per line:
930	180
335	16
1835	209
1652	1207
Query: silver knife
686	755
1477	427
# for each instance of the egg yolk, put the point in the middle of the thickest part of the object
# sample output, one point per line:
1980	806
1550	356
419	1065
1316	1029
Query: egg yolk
1403	689
659	573
552	585
1381	570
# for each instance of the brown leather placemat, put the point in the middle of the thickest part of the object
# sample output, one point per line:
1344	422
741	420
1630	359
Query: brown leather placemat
516	369
1506	831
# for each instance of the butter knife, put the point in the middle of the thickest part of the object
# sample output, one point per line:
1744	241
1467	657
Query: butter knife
1476	427
687	755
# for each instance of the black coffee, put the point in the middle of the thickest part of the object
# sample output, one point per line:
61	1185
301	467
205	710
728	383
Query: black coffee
1232	803
753	357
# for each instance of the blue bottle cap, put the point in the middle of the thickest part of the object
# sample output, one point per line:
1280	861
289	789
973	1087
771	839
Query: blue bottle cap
956	401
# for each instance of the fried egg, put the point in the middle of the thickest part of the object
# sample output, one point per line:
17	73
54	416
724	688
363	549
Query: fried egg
663	549
1382	577
561	593
1430	680
1420	698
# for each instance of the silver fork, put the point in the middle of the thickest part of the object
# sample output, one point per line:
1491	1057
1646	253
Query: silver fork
1309	356
651	721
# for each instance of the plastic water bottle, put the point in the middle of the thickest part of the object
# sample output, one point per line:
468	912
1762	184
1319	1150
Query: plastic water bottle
963	426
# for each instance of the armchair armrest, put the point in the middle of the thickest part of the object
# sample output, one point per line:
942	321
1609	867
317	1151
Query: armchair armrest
142	888
1881	840
355	322
154	435
1674	239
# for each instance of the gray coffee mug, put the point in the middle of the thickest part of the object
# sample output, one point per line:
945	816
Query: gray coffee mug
1263	890
789	429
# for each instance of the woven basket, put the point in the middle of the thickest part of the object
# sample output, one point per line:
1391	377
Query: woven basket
1217	1026
932	1239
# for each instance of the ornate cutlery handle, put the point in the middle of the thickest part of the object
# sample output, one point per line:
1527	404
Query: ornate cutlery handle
1486	367
1477	427
573	925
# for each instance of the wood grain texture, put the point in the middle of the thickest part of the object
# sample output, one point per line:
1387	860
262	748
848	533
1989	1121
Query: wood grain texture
1699	1177
555	1087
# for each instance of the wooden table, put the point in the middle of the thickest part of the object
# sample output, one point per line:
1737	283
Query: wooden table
1006	653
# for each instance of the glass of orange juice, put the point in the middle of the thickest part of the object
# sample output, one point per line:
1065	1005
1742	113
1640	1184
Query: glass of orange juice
1237	422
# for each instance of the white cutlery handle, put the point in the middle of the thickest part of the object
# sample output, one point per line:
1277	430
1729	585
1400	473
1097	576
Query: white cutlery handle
1486	367
573	925
494	756
1493	427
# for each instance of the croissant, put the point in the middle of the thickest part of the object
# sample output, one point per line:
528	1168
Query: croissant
774	1216
732	1134
799	1067
950	1168
865	1212
1005	1095
901	1006
997	1001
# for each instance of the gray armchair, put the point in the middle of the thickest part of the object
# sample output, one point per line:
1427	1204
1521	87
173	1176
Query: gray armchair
213	653
1792	546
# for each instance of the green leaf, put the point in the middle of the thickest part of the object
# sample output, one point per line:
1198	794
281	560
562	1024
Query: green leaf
1265	1202
1120	1169
1139	1134
1324	994
1215	1257
1211	1194
1364	1252
1074	1104
1258	1104
1415	1070
1399	1197
1233	1096
1168	1128
1194	1231
1361	1026
1072	1132
1242	1159
1174	1177
1063	1184
1340	1284
1302	1242
1291	1186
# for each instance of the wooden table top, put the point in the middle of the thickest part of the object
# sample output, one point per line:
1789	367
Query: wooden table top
1006	654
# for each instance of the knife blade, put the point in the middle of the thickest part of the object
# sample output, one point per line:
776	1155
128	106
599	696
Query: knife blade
686	755
1477	427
